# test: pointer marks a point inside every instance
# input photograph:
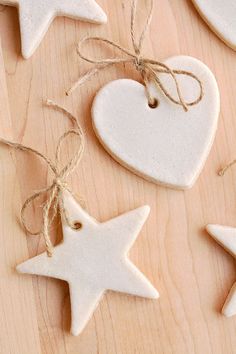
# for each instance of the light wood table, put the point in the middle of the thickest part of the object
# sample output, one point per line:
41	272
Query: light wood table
192	273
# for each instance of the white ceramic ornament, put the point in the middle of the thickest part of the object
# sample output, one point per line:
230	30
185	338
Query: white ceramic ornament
220	15
35	16
165	144
226	237
94	259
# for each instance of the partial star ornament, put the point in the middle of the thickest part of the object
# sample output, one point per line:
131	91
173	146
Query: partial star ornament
226	237
35	17
94	259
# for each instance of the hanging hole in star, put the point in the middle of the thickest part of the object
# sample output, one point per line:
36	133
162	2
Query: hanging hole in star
77	225
153	103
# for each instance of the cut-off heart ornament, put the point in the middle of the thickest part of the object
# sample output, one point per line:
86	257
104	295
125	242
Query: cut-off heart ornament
164	144
220	15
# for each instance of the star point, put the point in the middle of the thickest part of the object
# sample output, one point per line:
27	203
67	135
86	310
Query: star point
226	237
94	259
35	17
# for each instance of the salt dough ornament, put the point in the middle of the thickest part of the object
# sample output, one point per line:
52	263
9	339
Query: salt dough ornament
93	260
164	145
35	17
167	144
93	256
220	15
226	237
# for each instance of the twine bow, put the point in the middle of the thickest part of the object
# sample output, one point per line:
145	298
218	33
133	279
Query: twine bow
54	192
148	68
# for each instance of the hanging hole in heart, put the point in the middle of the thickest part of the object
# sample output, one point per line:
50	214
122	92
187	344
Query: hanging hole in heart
77	225
153	103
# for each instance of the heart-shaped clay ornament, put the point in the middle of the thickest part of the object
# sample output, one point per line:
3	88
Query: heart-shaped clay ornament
220	15
165	145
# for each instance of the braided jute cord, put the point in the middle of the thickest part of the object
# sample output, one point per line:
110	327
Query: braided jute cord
54	201
148	68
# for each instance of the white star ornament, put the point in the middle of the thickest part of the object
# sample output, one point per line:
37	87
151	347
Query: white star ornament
35	17
94	259
226	237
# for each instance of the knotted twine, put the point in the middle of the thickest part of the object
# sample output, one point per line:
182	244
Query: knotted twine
148	68
54	202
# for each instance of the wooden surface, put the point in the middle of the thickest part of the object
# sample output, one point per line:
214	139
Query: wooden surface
192	273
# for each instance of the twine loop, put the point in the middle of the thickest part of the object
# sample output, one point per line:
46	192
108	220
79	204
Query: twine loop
54	201
149	69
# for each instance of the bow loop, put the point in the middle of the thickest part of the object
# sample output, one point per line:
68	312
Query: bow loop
54	192
126	55
75	159
149	69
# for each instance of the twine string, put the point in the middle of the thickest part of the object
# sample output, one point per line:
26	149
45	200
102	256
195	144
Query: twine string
138	44
54	201
149	69
224	169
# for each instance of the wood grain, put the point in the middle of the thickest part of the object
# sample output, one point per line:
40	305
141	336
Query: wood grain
16	297
192	273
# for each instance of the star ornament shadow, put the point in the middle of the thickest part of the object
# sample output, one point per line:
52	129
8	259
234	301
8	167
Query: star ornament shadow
94	259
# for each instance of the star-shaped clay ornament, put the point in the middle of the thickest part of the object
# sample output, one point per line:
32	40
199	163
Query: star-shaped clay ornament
226	237
94	259
35	17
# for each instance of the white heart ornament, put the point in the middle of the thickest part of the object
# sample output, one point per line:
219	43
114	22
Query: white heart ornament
164	145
